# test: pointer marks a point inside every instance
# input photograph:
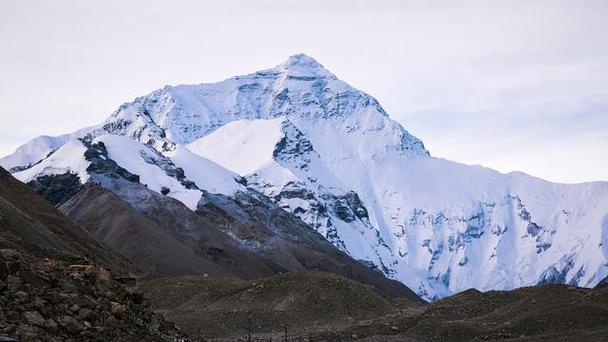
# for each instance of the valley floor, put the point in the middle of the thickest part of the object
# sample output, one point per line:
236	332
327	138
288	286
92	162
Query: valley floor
316	306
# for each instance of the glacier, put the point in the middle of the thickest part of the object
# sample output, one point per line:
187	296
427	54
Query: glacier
332	156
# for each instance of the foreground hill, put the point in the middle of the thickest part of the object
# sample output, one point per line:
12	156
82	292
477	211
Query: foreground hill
324	307
52	287
305	301
31	224
540	313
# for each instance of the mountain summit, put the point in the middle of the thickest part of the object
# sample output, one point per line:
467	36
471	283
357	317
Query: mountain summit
301	65
329	154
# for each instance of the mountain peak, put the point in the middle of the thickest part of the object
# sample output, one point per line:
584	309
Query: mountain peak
301	65
302	59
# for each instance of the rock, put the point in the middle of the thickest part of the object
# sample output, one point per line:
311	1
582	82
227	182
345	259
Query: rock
394	328
35	318
39	303
50	325
117	309
74	307
10	254
88	302
80	268
36	280
103	275
22	296
154	323
68	286
13	283
27	332
4	270
127	281
10	327
12	315
85	314
70	324
13	266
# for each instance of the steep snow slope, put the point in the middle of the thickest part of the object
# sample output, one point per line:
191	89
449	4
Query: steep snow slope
33	152
330	154
69	157
204	173
251	143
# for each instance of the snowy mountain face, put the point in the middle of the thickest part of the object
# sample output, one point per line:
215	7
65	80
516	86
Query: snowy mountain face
329	154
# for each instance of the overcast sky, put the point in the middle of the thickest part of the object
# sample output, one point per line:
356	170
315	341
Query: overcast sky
512	85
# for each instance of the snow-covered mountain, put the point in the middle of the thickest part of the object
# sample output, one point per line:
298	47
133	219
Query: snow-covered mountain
330	154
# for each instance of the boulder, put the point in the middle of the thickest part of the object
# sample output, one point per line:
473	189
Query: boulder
35	318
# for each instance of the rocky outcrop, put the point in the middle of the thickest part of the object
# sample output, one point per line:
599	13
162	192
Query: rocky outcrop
44	299
57	189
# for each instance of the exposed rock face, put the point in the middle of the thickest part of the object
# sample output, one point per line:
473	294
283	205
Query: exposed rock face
100	162
57	189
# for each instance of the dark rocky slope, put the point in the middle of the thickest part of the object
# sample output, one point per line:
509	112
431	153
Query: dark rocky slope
160	247
33	225
52	283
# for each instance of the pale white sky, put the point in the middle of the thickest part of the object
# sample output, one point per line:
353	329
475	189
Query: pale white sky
512	85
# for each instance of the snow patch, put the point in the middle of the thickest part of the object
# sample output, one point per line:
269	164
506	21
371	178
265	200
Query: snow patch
242	146
205	173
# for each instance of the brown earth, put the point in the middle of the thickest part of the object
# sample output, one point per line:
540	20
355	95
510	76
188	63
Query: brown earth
229	308
541	313
318	306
